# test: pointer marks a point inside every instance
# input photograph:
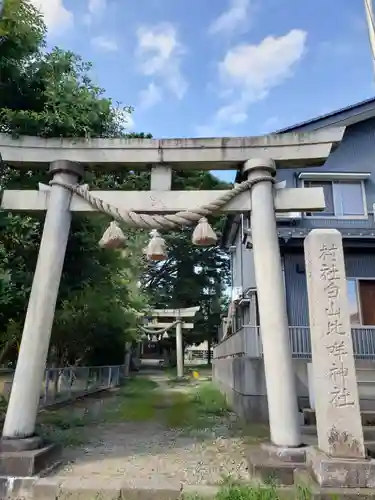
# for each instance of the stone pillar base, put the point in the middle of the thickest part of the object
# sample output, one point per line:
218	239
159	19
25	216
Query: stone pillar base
22	444
27	457
333	472
270	463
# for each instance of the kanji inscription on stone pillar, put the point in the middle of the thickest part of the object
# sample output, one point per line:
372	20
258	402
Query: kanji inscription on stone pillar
338	417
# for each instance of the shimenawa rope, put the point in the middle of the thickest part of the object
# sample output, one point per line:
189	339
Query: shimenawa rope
169	221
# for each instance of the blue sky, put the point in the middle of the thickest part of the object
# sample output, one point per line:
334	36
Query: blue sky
221	67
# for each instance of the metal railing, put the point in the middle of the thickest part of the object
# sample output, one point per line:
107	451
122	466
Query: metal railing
65	384
363	342
365	223
247	342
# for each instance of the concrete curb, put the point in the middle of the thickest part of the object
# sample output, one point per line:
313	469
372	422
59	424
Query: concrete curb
97	488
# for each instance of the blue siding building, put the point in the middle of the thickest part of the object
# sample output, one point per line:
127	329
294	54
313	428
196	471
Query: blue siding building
348	180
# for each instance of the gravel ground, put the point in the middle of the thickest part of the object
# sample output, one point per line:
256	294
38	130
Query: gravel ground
140	451
144	452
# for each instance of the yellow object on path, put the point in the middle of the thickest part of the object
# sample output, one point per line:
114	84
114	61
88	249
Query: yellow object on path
195	374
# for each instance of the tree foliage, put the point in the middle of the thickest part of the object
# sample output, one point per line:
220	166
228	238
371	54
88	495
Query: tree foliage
51	94
192	275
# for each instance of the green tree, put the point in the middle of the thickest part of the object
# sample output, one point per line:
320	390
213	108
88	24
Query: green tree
52	95
192	275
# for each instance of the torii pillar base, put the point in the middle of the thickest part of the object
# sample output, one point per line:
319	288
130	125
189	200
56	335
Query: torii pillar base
28	457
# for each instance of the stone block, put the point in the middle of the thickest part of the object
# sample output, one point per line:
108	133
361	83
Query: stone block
28	463
24	444
269	468
46	488
336	472
294	455
307	488
17	488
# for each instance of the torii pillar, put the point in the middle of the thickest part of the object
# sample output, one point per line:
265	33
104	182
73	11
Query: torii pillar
274	326
25	395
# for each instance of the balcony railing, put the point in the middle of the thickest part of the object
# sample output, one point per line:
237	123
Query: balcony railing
329	222
247	342
363	342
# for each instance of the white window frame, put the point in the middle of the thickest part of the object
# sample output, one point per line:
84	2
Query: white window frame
357	280
347	217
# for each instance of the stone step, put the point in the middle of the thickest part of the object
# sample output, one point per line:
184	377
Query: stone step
269	469
367	416
307	488
368	431
366	375
99	487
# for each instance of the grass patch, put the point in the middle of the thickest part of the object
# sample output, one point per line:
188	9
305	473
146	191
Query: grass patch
196	409
208	399
138	384
63	427
202	408
135	402
234	490
244	492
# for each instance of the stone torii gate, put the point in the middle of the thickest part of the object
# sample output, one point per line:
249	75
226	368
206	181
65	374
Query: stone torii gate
180	321
66	159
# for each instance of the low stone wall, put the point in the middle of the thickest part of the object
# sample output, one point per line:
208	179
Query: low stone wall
241	378
242	381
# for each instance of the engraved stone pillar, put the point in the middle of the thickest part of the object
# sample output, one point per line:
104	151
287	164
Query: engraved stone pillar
338	417
280	382
27	384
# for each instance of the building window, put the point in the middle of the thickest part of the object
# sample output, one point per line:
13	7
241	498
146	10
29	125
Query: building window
361	295
343	198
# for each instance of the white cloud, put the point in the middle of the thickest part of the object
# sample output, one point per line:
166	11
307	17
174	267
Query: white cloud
159	53
233	19
150	96
249	72
56	16
104	43
95	9
256	69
